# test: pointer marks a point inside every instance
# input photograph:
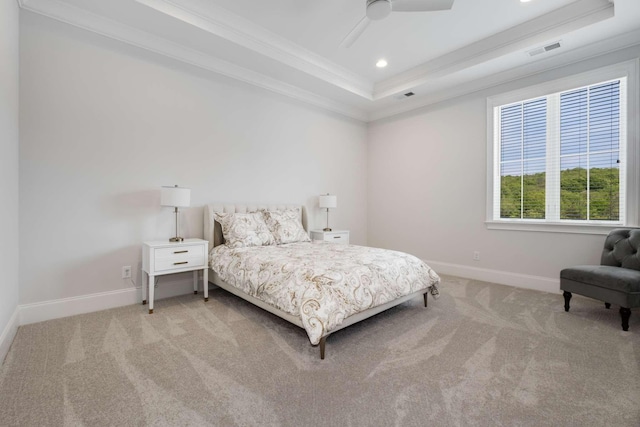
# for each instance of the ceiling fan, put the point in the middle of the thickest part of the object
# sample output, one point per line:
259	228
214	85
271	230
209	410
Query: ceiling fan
380	9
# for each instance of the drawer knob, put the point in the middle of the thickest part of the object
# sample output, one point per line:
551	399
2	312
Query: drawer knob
180	252
336	237
182	262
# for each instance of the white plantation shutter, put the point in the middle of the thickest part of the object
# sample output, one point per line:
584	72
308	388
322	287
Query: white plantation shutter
522	159
561	157
590	153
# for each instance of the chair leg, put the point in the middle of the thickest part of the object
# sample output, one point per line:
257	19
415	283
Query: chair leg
607	305
567	298
625	314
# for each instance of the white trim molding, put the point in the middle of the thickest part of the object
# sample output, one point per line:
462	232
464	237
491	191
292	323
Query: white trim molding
525	281
64	307
629	71
8	334
551	25
603	47
355	95
551	227
81	18
223	23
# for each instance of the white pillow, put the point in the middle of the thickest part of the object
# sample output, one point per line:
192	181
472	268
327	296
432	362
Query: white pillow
244	229
286	226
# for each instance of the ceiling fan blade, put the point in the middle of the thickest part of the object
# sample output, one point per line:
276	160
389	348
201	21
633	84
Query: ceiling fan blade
420	5
355	33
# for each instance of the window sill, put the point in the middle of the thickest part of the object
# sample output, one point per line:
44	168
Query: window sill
552	227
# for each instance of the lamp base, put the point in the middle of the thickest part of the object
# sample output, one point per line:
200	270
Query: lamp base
326	229
176	239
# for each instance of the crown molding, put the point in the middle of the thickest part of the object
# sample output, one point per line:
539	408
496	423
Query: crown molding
568	18
223	23
81	18
603	47
573	16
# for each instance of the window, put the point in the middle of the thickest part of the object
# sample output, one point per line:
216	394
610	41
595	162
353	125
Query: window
522	145
559	157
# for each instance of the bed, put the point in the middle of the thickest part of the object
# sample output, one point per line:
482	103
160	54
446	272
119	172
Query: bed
319	286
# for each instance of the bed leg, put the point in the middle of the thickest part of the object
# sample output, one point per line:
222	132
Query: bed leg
425	298
323	341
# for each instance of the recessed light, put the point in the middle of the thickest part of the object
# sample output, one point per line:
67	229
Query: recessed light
525	1
381	63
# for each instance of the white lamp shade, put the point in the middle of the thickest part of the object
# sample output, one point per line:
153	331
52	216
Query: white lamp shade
175	196
328	201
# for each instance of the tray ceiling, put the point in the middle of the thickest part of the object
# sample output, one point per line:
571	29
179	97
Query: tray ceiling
293	46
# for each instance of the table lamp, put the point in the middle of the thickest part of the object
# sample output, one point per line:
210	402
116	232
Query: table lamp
327	202
176	197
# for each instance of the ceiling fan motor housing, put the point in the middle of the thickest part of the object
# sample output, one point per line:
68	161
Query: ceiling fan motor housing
378	9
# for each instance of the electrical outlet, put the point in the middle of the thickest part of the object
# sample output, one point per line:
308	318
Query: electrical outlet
126	272
476	256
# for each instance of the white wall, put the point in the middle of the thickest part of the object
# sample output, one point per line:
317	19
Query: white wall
427	193
104	125
9	125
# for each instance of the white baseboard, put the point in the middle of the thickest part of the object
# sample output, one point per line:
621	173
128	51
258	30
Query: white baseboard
64	307
55	309
538	283
9	333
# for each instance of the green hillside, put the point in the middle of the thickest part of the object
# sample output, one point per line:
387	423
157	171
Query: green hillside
604	189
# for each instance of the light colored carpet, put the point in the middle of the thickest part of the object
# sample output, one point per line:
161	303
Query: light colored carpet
481	355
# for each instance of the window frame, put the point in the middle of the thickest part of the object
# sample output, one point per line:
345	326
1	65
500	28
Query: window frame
628	69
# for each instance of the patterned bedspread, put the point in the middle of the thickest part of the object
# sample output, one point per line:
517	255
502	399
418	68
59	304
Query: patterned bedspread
323	283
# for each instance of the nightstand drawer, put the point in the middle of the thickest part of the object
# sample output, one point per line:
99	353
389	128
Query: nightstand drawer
336	237
165	264
186	256
179	252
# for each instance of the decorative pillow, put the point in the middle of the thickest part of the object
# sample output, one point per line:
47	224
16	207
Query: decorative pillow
286	226
244	229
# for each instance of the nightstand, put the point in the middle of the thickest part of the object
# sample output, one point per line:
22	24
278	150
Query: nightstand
335	236
164	257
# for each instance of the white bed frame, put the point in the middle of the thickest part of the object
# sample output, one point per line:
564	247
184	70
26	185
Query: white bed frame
212	233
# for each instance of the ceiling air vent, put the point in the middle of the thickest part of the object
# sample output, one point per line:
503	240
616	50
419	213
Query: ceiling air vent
401	96
552	46
543	49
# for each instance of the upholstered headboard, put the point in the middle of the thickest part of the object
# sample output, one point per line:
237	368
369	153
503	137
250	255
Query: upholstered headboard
213	231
